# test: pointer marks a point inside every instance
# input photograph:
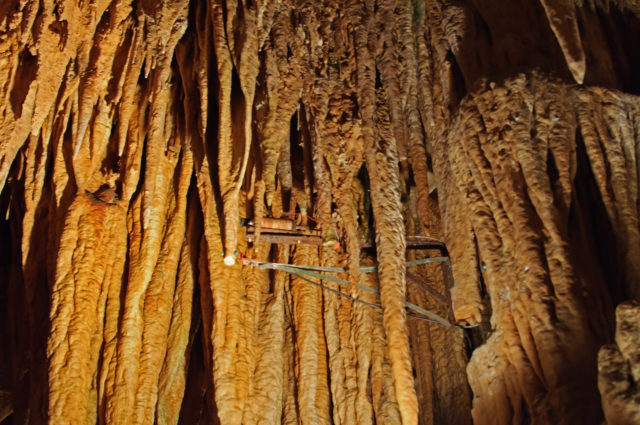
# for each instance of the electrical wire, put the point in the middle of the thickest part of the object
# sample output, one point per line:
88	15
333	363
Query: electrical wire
315	220
377	307
254	262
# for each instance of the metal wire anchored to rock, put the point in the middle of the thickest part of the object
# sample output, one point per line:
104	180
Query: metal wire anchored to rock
307	273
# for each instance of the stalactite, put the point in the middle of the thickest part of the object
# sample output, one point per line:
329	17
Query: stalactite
305	298
283	84
323	393
618	369
524	142
385	202
172	379
415	143
384	399
137	137
337	317
230	162
289	407
268	391
364	318
84	274
562	18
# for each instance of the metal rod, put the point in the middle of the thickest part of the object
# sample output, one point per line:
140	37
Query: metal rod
269	265
305	271
437	295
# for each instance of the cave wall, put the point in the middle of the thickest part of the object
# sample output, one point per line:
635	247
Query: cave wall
547	173
135	136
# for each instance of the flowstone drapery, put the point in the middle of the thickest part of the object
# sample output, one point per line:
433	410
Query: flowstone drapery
137	136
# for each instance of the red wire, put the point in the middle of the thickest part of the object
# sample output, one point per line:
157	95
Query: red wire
241	256
315	220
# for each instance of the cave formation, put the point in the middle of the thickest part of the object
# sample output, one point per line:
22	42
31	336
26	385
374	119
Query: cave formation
136	138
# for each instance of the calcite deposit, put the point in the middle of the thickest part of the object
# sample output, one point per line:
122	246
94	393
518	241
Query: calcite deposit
139	137
618	372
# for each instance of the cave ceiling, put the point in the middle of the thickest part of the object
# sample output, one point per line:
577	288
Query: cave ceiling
319	212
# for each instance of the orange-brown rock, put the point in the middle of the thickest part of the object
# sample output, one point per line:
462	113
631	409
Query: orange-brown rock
136	135
618	372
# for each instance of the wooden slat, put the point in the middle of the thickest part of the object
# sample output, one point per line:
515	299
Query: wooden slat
287	239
